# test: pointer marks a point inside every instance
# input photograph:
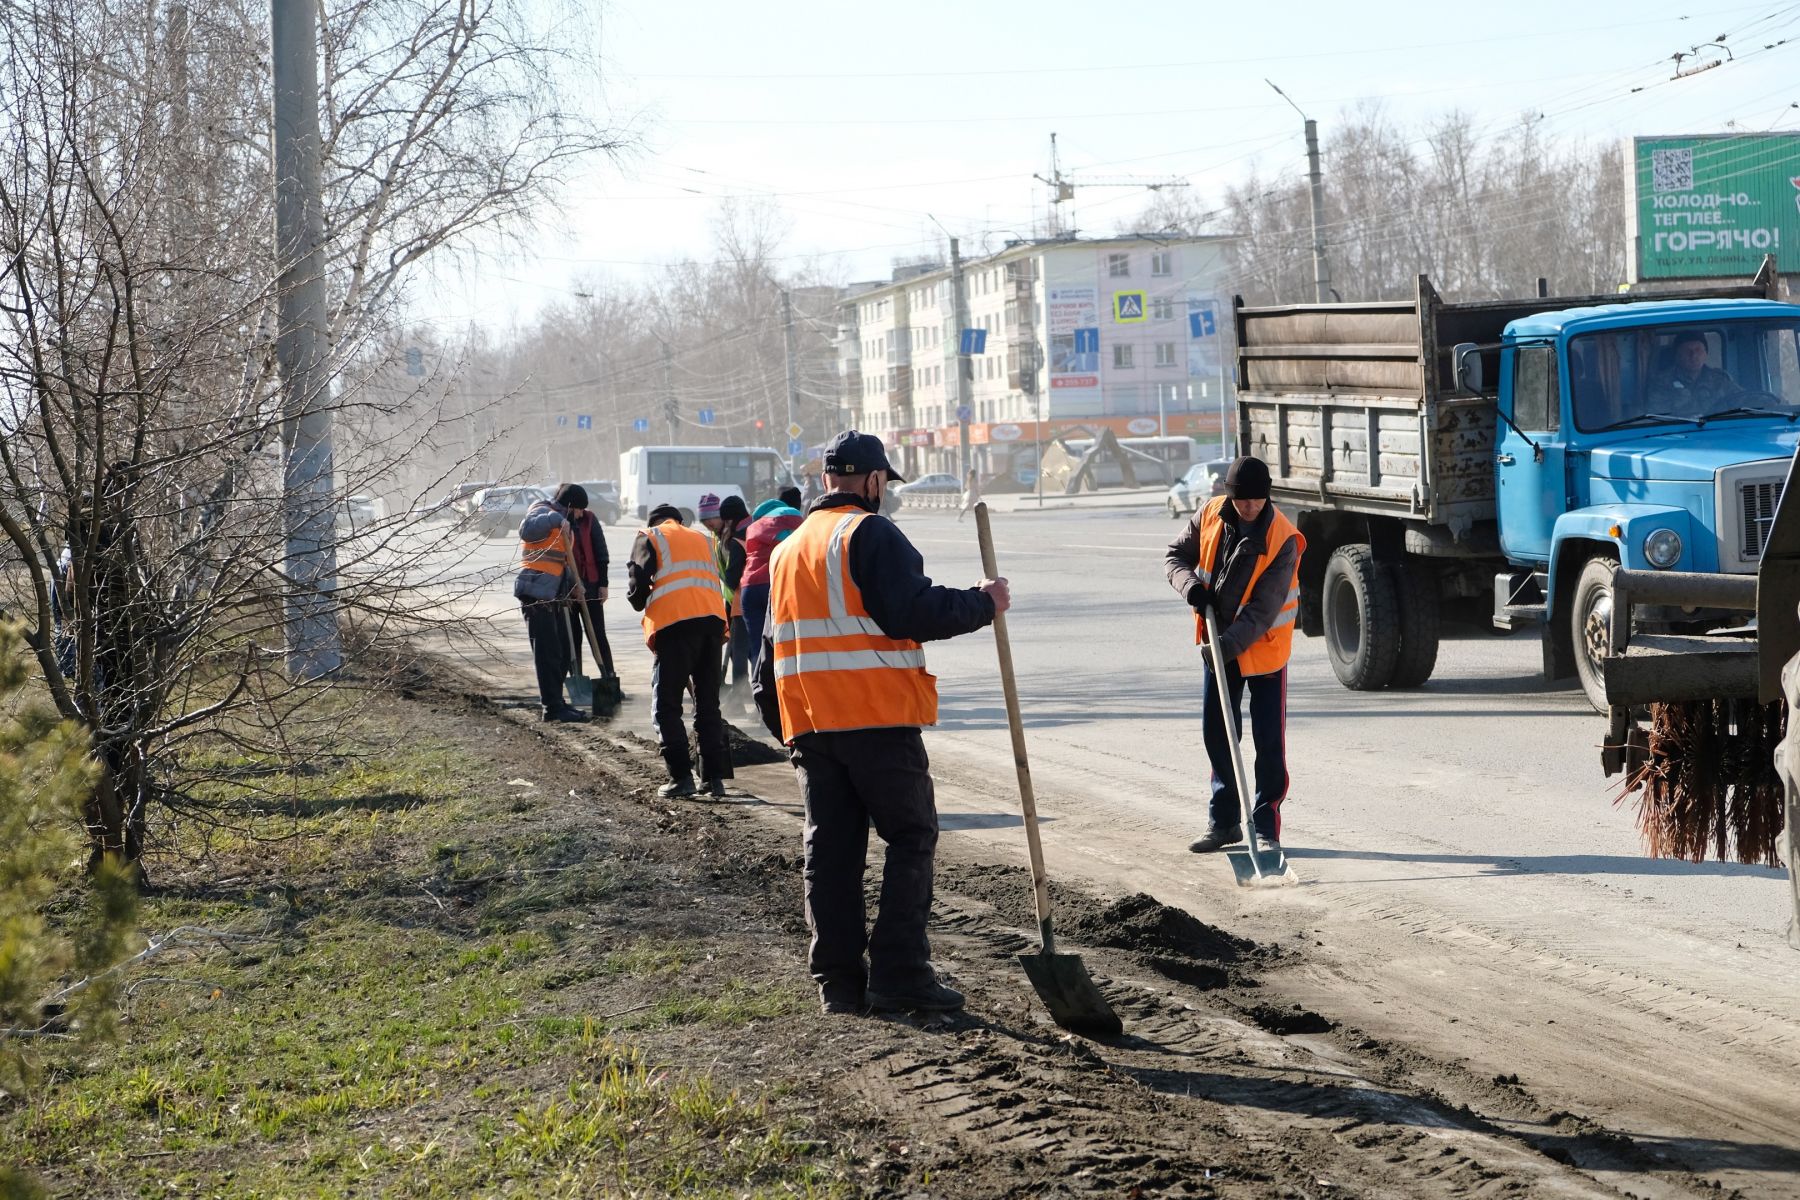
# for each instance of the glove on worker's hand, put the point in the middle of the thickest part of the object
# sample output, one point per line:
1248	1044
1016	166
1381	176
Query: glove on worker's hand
1200	597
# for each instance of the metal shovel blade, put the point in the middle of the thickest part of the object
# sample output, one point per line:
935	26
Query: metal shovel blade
608	695
1253	870
1068	991
581	689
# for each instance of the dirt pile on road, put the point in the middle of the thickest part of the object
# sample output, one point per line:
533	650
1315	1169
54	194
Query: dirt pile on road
1140	922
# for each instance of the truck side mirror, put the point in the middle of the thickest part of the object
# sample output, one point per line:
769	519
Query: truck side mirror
1467	357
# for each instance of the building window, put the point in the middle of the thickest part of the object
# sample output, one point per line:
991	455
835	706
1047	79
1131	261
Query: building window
1122	356
1162	309
1165	354
1160	262
1118	266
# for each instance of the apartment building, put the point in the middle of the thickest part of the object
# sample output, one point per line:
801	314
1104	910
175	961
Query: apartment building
1130	334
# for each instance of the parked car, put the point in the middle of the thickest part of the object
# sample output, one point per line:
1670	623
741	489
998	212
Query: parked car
931	485
603	499
358	512
498	510
1203	481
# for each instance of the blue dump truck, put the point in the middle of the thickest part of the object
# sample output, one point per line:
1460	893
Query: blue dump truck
1518	454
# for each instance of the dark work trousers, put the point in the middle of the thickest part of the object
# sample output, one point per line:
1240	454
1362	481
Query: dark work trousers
1268	726
687	655
754	600
850	781
740	653
596	618
549	634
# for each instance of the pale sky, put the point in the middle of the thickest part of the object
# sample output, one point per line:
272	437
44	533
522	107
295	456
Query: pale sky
860	119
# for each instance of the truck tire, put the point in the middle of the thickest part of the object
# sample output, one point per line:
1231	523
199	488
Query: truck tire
1590	625
1362	619
1416	589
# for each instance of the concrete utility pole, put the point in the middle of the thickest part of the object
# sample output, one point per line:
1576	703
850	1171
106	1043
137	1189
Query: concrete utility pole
1321	273
313	648
965	369
670	412
793	391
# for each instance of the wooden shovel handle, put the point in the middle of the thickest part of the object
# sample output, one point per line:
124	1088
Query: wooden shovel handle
582	616
1040	884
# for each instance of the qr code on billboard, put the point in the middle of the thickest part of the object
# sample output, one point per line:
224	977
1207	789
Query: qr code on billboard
1673	170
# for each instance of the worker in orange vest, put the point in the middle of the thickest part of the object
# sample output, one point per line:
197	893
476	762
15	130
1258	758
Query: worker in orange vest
546	585
673	580
1240	557
842	680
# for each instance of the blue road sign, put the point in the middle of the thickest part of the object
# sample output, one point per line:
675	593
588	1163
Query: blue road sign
561	419
415	361
964	413
796	447
584	421
974	341
1201	323
1087	341
641	425
706	416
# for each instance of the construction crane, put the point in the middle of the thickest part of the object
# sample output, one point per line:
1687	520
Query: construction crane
1062	187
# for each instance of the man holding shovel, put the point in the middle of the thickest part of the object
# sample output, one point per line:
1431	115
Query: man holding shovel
842	681
547	583
1240	558
674	582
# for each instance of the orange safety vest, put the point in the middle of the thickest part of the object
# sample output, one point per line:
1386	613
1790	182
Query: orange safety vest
1268	653
834	668
547	556
686	584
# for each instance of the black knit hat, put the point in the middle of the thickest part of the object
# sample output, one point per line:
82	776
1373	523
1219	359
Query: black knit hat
571	495
732	508
1247	479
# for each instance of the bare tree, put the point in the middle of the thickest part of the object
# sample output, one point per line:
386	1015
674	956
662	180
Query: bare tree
140	481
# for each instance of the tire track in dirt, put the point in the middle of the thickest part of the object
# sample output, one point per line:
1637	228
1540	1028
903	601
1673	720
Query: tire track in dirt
1199	1099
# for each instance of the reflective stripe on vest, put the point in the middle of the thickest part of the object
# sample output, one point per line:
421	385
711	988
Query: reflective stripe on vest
1268	653
835	670
686	584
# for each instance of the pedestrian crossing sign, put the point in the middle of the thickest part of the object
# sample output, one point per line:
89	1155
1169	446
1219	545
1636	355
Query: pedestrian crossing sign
1129	307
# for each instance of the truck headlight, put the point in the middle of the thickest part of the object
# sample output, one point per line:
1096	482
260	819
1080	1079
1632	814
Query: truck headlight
1663	548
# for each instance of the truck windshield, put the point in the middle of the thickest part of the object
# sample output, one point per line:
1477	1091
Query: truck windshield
1689	372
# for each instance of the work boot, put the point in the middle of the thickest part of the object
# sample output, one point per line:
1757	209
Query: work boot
678	789
930	996
565	715
1268	847
1217	838
715	788
841	998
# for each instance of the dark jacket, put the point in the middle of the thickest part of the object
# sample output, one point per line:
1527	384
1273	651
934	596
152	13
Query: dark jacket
890	574
588	527
1240	546
541	520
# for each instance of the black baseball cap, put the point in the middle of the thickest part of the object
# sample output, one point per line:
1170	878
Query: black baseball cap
853	453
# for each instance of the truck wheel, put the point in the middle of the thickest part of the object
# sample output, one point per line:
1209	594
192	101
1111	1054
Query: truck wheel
1416	589
1362	620
1590	625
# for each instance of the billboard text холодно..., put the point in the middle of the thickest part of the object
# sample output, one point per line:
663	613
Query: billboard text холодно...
1714	205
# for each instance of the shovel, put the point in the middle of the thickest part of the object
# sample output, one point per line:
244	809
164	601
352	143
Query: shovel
1250	868
606	692
1061	980
581	688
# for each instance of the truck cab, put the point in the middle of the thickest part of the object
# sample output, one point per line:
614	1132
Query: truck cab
1653	435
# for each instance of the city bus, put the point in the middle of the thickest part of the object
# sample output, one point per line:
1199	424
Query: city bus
680	475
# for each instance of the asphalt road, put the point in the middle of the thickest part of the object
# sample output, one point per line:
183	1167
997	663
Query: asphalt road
1470	887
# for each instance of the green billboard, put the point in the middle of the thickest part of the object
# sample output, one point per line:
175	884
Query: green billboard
1713	205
